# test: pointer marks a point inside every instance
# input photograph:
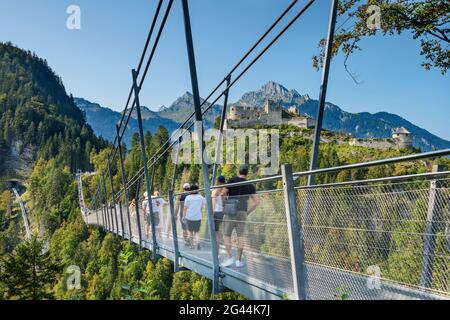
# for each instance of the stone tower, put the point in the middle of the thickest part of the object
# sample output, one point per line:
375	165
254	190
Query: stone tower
402	138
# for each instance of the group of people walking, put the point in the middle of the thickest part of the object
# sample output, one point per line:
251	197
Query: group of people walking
232	202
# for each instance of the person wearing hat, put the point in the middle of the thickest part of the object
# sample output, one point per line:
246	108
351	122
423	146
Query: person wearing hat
245	202
217	203
179	208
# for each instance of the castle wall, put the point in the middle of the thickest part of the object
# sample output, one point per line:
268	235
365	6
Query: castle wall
403	142
377	144
270	114
301	122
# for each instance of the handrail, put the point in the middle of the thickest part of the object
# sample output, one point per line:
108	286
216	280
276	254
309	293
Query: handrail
359	182
412	157
418	156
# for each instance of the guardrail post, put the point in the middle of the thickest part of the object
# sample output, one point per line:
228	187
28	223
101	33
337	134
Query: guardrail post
96	214
295	233
432	227
119	204
124	180
173	218
144	160
174	231
99	208
199	131
106	214
113	199
138	218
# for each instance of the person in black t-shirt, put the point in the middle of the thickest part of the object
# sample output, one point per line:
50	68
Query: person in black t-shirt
247	203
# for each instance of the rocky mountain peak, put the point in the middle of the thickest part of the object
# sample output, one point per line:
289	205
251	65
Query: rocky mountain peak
274	88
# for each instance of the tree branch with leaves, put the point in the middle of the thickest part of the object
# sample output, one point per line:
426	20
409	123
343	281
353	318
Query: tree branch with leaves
428	22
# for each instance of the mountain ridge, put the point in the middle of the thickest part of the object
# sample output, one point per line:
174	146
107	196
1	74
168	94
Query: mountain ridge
359	125
38	118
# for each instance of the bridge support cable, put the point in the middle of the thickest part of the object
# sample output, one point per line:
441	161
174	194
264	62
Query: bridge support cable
138	218
199	131
96	215
23	210
221	128
106	215
246	55
141	60
259	55
434	220
113	198
295	234
173	218
152	53
323	89
173	222
148	183
124	182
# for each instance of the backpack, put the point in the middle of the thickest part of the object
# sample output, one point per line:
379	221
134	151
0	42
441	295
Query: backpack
231	205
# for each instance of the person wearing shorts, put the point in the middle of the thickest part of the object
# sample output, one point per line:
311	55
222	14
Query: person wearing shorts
217	203
157	207
146	209
236	222
193	226
179	209
193	206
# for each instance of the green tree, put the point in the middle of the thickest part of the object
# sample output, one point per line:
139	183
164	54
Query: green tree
188	285
28	272
158	279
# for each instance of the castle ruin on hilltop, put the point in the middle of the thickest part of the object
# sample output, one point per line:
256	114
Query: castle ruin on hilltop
270	114
401	139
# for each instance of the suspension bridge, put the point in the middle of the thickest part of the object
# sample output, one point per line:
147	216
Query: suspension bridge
385	238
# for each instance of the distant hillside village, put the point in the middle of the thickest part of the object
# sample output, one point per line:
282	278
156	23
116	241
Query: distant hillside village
272	114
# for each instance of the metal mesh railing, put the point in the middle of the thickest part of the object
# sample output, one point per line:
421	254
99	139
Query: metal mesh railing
377	231
361	241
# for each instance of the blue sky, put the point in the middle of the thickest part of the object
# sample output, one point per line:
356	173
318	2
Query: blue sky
95	62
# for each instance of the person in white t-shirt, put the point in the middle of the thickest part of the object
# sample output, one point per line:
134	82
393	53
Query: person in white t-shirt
157	207
146	215
193	205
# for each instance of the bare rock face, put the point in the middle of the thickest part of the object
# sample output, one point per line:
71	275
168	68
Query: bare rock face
19	160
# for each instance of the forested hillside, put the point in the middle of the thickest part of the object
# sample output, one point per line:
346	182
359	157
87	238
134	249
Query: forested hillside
37	117
40	123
